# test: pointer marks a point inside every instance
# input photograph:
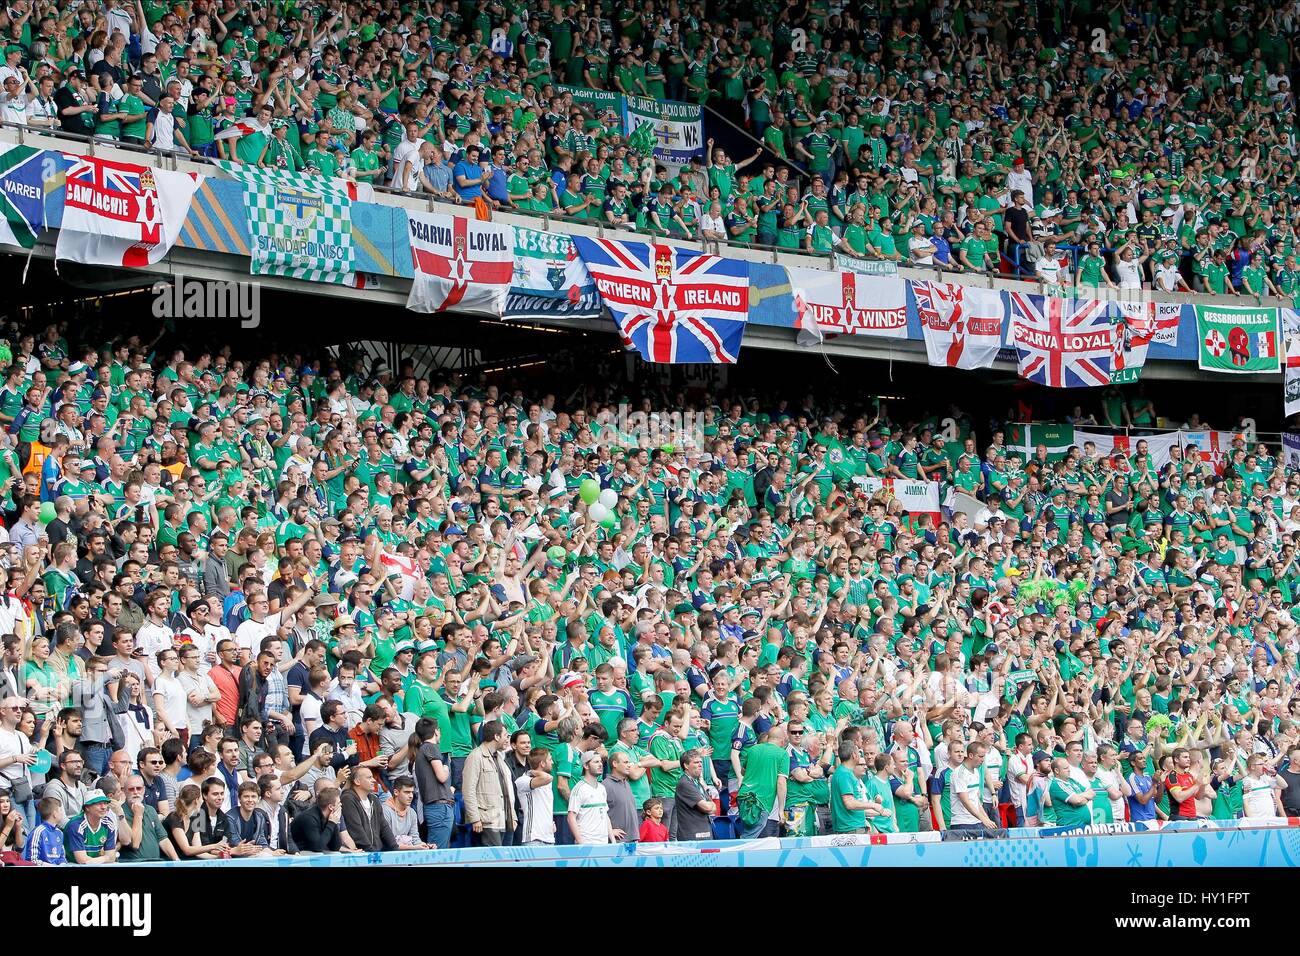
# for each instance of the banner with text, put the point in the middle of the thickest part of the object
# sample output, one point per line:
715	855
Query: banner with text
596	100
550	280
866	267
1289	319
916	497
678	127
847	303
1291	449
1238	340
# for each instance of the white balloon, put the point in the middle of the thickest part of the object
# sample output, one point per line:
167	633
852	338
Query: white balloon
609	498
597	512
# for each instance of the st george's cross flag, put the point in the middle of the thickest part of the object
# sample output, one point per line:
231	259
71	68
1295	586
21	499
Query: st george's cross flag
847	303
23	172
462	264
1159	445
121	214
1062	342
671	305
962	324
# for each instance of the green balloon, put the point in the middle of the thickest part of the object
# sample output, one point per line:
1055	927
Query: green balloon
47	512
589	490
610	522
557	554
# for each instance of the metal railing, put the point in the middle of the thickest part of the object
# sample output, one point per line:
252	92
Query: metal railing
988	278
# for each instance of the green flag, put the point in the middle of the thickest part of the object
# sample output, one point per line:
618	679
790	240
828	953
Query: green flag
23	171
1057	439
842	466
642	140
1238	340
1069	665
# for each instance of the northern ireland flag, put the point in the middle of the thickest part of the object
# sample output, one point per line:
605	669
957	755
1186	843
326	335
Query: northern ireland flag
461	264
807	331
1060	342
848	303
121	214
962	325
671	305
1137	326
1238	339
1215	447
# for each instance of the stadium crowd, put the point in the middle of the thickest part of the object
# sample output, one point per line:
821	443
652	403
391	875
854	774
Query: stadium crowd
286	605
1135	144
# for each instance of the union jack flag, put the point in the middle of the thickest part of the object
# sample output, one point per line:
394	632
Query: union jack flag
671	305
1062	343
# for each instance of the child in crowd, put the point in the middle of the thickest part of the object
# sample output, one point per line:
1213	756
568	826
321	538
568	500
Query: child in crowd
652	827
45	842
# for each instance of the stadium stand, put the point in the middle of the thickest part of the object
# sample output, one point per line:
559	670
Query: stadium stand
261	605
1143	141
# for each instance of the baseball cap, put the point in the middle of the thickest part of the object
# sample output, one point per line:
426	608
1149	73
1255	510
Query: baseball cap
95	796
